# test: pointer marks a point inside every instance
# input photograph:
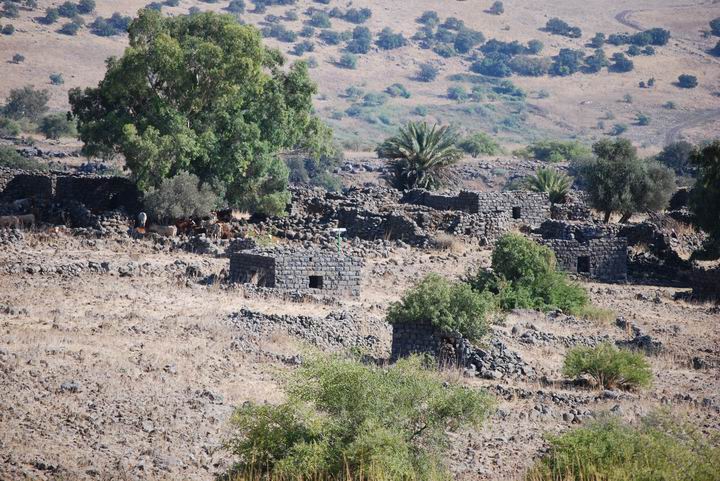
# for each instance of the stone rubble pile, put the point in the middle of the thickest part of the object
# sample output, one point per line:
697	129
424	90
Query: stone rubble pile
339	330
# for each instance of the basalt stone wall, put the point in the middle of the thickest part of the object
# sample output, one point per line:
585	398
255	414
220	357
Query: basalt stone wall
96	192
314	270
524	208
369	225
604	258
16	185
706	282
411	338
559	229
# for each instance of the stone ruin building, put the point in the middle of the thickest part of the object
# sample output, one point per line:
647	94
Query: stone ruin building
586	249
312	270
415	217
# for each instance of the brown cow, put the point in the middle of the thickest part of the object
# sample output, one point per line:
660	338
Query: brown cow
9	221
163	230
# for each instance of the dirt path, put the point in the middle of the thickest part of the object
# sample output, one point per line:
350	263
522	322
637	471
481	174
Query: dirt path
675	132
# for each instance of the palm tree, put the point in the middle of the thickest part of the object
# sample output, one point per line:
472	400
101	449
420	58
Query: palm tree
554	183
420	155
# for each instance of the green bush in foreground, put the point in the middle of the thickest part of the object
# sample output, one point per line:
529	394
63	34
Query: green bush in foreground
658	448
524	276
346	420
609	366
451	306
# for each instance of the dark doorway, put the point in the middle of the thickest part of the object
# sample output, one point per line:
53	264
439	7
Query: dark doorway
316	282
517	212
583	265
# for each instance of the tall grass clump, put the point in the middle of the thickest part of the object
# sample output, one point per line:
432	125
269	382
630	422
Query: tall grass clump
524	276
345	420
657	448
453	307
609	366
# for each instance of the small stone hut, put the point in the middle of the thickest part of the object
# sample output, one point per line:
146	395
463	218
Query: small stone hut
312	270
587	249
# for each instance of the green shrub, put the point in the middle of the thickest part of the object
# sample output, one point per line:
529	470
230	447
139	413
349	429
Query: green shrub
687	81
57	125
69	28
348	61
427	72
479	143
555	151
180	197
26	103
524	276
9	128
618	129
457	92
389	40
609	366
398	90
56	79
450	306
347	420
642	119
658	448
9	158
8	29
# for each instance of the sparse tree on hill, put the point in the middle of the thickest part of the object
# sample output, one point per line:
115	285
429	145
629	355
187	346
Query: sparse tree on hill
420	155
428	72
26	103
687	81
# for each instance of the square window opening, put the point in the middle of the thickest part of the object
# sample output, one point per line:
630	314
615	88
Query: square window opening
516	212
316	282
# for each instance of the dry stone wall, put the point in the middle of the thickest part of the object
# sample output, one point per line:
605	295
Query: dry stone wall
298	270
97	193
706	282
604	258
523	208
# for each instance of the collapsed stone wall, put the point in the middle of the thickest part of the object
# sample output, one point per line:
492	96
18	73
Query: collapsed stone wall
97	193
298	270
705	282
604	258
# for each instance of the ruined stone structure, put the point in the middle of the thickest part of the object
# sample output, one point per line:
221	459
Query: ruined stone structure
97	193
705	282
518	208
592	250
297	269
424	338
596	258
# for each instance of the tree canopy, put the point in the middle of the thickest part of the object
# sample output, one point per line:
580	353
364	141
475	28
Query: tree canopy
705	195
618	181
201	94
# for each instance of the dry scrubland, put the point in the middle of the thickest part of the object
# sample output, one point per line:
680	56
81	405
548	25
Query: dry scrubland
573	107
134	377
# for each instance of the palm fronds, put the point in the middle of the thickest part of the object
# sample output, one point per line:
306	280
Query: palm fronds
420	155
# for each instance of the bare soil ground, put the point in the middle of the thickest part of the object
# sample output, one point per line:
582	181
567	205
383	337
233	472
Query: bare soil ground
135	377
572	108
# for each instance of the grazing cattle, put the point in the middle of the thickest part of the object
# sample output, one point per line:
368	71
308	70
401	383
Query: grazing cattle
164	230
186	226
9	221
26	220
